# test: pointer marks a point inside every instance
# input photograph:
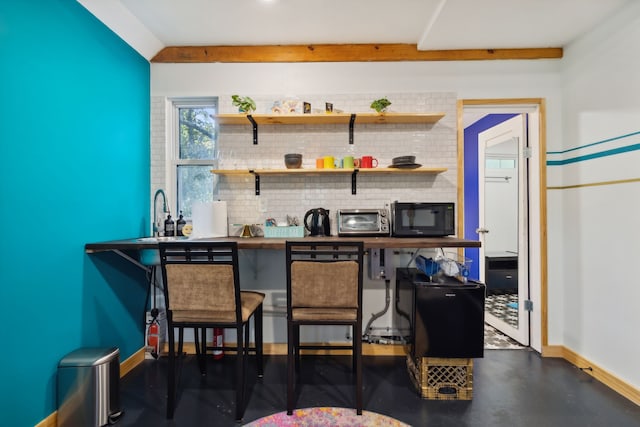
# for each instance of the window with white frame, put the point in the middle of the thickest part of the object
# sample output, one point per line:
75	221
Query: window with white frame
192	151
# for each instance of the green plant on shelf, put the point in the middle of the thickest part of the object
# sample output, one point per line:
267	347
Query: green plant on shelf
244	103
380	105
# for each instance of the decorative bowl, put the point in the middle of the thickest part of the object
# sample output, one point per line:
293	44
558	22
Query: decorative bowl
403	160
293	160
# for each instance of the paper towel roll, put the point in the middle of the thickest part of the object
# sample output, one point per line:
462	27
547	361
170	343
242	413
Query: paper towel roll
209	219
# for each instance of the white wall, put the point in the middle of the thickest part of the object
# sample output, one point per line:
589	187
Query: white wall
434	145
360	81
599	224
591	95
357	82
411	86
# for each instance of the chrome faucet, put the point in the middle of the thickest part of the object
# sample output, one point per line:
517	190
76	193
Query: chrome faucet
165	209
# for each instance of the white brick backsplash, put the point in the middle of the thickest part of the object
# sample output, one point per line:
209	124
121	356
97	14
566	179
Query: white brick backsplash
434	145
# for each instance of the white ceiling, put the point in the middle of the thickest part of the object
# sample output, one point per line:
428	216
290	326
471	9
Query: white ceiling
149	25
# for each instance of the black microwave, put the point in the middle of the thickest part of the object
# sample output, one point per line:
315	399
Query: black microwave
422	219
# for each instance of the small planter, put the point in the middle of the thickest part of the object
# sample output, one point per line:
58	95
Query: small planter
245	104
381	105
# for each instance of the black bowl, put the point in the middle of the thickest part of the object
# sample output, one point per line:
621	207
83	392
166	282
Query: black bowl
293	161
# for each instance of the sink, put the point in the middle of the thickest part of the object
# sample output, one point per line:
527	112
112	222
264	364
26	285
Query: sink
151	257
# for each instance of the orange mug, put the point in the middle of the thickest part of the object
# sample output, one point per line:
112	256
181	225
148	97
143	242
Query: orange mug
320	163
369	162
356	163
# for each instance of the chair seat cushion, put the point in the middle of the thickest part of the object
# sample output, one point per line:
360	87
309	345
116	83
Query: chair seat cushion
250	300
325	314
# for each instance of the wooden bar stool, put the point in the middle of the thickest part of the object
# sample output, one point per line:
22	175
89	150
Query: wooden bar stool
202	290
324	287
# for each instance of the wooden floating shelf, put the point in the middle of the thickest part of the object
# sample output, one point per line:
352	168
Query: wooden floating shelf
349	119
331	118
398	118
402	170
284	119
303	171
369	171
257	173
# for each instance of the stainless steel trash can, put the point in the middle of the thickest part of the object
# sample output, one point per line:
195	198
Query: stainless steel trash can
89	388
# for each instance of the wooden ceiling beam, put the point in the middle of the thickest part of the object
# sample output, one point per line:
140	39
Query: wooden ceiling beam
342	53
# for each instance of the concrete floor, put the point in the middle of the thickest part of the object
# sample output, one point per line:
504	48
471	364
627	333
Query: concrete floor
510	388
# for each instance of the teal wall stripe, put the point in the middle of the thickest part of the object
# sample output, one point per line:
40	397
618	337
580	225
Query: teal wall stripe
595	143
605	153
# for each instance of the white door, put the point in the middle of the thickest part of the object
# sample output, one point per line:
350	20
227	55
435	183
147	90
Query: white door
503	231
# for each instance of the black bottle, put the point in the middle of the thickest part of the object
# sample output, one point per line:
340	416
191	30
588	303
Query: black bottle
180	224
169	226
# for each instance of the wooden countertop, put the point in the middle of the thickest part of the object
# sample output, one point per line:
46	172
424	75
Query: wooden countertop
279	243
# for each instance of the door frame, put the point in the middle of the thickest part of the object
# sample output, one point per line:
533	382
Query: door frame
538	193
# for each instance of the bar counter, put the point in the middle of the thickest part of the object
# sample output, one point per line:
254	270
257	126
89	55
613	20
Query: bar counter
264	271
279	243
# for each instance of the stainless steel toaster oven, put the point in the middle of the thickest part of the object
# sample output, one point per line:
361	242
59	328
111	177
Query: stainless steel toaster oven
363	222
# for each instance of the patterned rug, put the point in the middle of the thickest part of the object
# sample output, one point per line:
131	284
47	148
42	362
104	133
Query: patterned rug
496	340
335	417
503	306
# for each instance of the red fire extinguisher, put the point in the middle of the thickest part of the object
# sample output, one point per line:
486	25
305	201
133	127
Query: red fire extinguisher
153	339
218	341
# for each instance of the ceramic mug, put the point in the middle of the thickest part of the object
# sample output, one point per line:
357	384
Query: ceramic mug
329	162
347	162
369	162
320	163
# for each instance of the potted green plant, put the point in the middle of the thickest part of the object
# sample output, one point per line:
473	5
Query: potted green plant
380	105
244	103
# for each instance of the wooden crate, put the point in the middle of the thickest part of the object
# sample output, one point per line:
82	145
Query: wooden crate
442	378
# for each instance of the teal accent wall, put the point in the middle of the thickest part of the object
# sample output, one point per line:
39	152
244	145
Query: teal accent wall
74	168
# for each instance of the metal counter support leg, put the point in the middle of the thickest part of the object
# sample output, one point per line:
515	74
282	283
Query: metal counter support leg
374	316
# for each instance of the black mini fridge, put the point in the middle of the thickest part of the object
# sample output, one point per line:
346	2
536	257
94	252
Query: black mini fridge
446	319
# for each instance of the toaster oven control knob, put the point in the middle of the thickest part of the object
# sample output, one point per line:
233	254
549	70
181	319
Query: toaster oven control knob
383	220
383	213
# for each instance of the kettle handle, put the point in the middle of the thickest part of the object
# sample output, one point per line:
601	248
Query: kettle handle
326	224
306	225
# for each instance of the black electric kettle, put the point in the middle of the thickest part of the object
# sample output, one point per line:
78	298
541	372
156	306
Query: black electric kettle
317	222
